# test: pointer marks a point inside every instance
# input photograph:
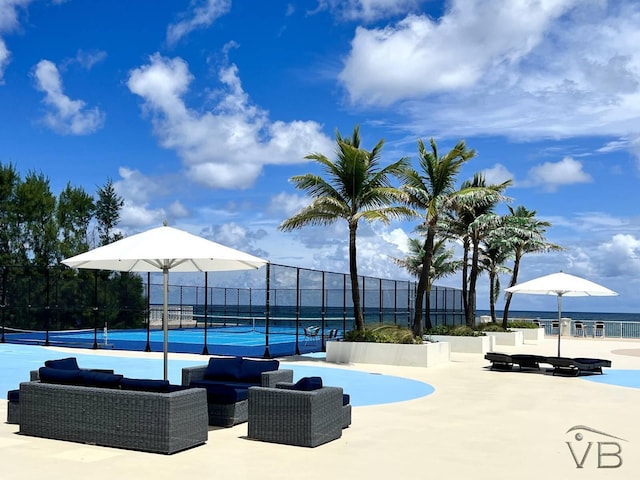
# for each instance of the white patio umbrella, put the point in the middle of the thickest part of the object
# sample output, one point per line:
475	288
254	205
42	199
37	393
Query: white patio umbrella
562	285
165	249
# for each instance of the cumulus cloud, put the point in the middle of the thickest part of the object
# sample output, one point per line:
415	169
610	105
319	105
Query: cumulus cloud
9	22
228	145
201	14
497	174
64	115
521	69
550	175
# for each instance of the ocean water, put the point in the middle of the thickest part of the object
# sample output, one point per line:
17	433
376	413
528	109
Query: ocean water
552	315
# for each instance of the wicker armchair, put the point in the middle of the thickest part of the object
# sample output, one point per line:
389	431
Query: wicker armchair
295	417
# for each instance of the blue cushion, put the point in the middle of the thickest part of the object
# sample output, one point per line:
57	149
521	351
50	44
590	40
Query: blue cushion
99	379
58	375
346	399
251	369
224	368
63	363
145	385
308	384
13	396
222	394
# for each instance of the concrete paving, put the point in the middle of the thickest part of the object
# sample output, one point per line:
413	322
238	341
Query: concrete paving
478	424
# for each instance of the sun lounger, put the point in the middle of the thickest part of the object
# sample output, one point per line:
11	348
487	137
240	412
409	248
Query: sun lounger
503	361
576	366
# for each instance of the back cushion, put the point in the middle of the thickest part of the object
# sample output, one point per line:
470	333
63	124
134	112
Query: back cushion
145	385
99	379
224	368
63	363
308	384
251	369
58	375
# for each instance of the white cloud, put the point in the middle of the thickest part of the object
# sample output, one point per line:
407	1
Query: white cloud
287	204
497	174
137	191
520	69
367	10
4	59
201	14
422	56
65	116
87	59
552	175
227	146
9	10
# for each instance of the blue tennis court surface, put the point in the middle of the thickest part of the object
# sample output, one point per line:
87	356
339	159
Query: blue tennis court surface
16	361
230	340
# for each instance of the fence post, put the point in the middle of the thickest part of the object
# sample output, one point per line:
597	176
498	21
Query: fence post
267	313
205	349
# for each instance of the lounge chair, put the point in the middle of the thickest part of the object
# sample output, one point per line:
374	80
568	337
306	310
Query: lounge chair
576	366
503	361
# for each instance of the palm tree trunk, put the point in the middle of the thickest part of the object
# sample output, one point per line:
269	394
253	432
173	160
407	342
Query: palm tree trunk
423	282
507	301
465	276
473	278
355	286
492	296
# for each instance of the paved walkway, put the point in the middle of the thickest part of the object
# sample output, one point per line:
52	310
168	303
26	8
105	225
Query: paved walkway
478	424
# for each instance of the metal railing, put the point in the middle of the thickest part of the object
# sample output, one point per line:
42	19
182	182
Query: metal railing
594	328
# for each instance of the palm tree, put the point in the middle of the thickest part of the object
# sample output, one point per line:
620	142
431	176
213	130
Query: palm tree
442	265
493	255
432	190
355	188
525	234
479	209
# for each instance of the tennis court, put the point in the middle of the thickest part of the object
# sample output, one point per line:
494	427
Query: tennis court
246	340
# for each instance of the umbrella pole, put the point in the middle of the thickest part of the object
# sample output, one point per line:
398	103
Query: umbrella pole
559	321
165	311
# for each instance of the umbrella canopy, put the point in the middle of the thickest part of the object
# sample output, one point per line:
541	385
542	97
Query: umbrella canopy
165	249
562	285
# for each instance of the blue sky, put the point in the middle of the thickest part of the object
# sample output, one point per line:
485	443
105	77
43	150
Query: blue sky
200	111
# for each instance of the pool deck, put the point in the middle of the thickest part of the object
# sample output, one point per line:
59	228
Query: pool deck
478	424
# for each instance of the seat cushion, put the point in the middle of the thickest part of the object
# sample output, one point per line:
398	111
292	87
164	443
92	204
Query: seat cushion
99	379
223	368
145	385
63	363
251	369
346	399
222	394
58	375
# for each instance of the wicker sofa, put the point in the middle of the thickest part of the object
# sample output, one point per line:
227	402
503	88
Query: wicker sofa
306	418
227	380
152	421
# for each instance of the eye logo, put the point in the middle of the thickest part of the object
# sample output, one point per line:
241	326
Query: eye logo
609	452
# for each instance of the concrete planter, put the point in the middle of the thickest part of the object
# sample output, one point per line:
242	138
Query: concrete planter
531	334
466	344
424	355
512	339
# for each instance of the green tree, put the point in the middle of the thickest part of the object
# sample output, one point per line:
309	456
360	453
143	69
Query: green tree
477	219
432	190
355	188
36	210
74	214
9	233
494	253
107	213
523	233
442	264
